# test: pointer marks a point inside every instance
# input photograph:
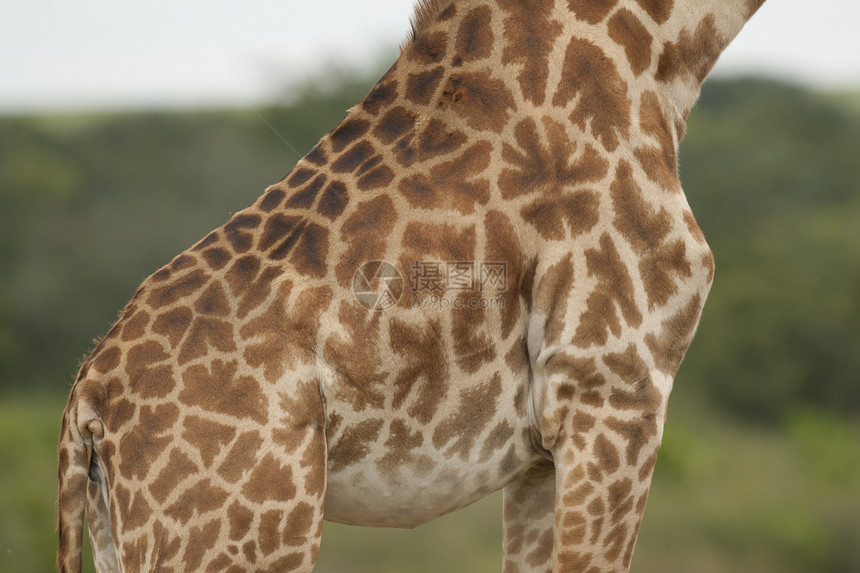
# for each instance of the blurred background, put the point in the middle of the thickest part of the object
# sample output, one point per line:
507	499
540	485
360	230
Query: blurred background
129	131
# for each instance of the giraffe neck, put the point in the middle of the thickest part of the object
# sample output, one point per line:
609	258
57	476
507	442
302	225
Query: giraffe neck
693	33
665	46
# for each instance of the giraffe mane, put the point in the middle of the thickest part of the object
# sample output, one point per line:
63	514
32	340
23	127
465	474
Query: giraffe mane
425	13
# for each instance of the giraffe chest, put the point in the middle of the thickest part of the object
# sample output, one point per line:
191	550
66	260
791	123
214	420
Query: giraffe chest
387	467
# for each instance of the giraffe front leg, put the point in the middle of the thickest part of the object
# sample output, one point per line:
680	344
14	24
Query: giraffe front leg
604	436
529	521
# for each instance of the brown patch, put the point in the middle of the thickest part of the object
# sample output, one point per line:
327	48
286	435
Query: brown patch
182	262
395	124
626	30
270	481
299	176
547	169
591	79
659	10
691	55
197	501
503	245
238	231
207	436
258	290
145	443
299	523
333	201
272	199
281	336
433	141
240	519
206	333
304	198
355	352
439	242
207	241
241	274
242	456
317	155
606	454
614	290
473	343
659	163
249	550
627	365
269	528
121	412
107	359
182	287
133	328
475	35
693	227
399	445
452	185
134	511
638	432
422	370
217	258
642	396
646	230
354	444
669	346
365	232
553	293
375	178
583	377
347	133
591	11
383	94
476	409
219	389
530	33
146	376
354	157
421	86
283	229
213	301
303	414
497	440
309	256
179	466
481	100
578	209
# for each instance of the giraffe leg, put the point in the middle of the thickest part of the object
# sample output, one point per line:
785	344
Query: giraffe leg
604	443
529	520
222	498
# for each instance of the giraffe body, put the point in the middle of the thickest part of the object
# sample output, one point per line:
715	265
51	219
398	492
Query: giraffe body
485	277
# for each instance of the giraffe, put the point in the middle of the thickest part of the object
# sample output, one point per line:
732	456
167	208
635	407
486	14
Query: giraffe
484	278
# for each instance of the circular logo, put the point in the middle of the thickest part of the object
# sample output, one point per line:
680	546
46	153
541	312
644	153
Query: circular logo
377	285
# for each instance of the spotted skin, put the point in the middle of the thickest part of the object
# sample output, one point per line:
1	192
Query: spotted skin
247	392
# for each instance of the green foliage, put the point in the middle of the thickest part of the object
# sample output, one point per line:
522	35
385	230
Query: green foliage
771	173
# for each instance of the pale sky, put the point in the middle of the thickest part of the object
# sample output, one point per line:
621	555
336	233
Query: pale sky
61	55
